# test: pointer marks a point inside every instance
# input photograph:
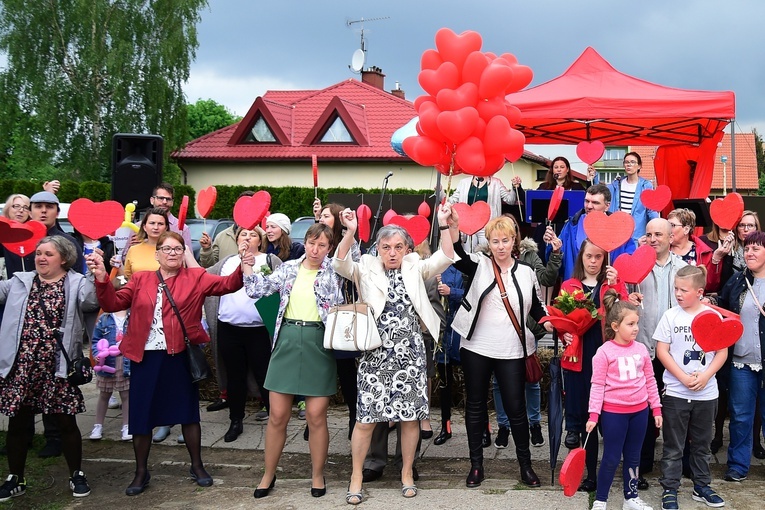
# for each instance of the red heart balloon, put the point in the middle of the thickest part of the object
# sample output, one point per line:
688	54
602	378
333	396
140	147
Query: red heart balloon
424	150
475	63
96	219
555	200
24	248
459	124
363	215
447	76
430	59
424	209
494	80
183	210
417	226
713	333
206	200
456	48
726	212
608	232
470	156
472	217
490	108
590	152
517	151
498	138
656	199
427	124
389	214
522	76
636	267
572	470
249	211
464	95
13	231
421	100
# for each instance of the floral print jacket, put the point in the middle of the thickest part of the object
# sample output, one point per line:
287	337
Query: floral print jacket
327	288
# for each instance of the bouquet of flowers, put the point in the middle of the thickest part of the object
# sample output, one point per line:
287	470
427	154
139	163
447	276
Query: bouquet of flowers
572	312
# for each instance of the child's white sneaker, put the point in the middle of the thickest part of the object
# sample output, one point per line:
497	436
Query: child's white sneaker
598	505
636	504
97	432
125	435
113	402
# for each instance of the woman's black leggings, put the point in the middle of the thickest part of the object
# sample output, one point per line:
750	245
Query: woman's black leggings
511	378
446	374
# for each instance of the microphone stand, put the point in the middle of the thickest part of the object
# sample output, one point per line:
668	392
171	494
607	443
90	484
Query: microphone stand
379	206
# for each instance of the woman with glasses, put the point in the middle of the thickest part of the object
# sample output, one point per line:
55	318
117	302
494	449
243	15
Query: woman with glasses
161	389
141	256
17	208
686	245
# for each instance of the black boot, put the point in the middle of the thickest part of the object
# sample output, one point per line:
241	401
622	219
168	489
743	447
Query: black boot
234	431
529	477
476	426
445	434
475	476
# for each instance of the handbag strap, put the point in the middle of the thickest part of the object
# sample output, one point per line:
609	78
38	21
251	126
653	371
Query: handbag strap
60	342
754	296
170	299
503	294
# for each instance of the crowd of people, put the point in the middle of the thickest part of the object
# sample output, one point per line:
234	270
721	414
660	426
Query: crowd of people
477	302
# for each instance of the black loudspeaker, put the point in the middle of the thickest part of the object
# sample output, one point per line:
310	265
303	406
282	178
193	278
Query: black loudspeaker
136	168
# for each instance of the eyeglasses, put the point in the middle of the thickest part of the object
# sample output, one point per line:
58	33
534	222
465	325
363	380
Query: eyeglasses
167	250
398	248
630	163
163	199
17	207
673	225
747	226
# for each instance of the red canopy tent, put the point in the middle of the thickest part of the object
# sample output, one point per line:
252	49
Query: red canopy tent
593	101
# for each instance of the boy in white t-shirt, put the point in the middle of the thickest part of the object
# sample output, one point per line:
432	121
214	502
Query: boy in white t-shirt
690	401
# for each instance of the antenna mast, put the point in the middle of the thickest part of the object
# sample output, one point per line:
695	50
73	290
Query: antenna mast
349	23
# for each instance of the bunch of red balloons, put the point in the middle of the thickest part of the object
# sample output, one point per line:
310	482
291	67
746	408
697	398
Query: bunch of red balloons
465	124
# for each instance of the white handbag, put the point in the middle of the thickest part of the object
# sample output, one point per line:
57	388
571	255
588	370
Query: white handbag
352	326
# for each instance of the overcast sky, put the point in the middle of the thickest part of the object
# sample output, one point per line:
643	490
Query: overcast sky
248	47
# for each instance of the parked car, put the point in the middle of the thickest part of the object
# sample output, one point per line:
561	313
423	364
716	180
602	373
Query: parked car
300	226
212	227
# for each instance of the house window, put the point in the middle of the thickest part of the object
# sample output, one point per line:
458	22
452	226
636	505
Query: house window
614	154
337	133
541	174
260	132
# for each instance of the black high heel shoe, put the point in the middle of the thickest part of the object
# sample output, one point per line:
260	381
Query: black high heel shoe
444	435
136	490
262	493
317	493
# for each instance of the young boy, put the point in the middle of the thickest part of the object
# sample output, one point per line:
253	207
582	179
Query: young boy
690	402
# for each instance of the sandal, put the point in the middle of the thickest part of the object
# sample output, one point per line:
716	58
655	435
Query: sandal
409	491
354	498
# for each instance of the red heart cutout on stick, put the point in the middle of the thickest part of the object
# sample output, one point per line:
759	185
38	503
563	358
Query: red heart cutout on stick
249	211
590	152
472	217
636	267
24	248
572	470
389	214
363	215
726	212
13	231
417	226
713	333
656	199
608	232
555	200
424	209
206	200
183	210
96	219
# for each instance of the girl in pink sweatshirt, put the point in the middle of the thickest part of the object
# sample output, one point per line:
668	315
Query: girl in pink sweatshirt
623	388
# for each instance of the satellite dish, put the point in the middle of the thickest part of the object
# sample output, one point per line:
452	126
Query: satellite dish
357	60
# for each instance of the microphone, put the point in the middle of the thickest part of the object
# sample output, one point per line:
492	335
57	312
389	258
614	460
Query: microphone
390	174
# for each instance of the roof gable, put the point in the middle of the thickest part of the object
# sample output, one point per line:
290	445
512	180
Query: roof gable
277	116
352	115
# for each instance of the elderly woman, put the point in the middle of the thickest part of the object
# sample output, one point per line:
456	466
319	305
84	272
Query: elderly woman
492	342
392	381
240	339
692	249
299	364
161	389
47	302
17	208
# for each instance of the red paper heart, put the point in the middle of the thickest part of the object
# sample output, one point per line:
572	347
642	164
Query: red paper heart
206	200
424	209
417	226
472	217
726	212
315	168
608	232
96	219
656	199
590	152
24	248
363	215
265	220
636	267
389	214
13	231
572	470
248	211
713	333
183	210
555	200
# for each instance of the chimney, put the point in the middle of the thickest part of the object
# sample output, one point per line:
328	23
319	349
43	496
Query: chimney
373	76
398	92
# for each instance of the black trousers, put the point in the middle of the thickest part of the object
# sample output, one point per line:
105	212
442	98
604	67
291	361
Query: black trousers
243	349
511	378
651	433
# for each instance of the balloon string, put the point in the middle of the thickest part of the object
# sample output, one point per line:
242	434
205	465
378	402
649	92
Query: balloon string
517	195
449	179
641	301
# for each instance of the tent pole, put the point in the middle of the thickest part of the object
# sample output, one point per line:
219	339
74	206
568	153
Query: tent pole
733	154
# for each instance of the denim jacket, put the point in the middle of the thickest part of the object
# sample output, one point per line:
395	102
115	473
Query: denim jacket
106	327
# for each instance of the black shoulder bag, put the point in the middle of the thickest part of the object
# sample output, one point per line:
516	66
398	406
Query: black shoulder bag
78	371
195	359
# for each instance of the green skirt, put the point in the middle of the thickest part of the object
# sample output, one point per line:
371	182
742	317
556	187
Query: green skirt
299	363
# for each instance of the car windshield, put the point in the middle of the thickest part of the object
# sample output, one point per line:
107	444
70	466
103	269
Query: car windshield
300	227
196	229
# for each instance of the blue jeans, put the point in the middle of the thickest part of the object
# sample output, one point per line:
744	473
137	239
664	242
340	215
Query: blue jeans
533	404
745	389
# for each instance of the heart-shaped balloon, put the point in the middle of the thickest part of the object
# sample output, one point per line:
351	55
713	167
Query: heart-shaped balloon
608	232
430	59
590	152
389	214
24	248
183	210
206	200
555	201
713	333
475	63
249	211
424	209
464	95
572	470
13	231
472	217
96	219
498	138
447	76
726	212
417	226
363	215
456	48
494	80
636	267
656	199
459	124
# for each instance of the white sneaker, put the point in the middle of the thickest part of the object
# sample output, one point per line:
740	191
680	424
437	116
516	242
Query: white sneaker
113	402
125	435
598	505
636	504
97	432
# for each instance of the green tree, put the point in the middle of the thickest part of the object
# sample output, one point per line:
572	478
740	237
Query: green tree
206	116
758	150
80	71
